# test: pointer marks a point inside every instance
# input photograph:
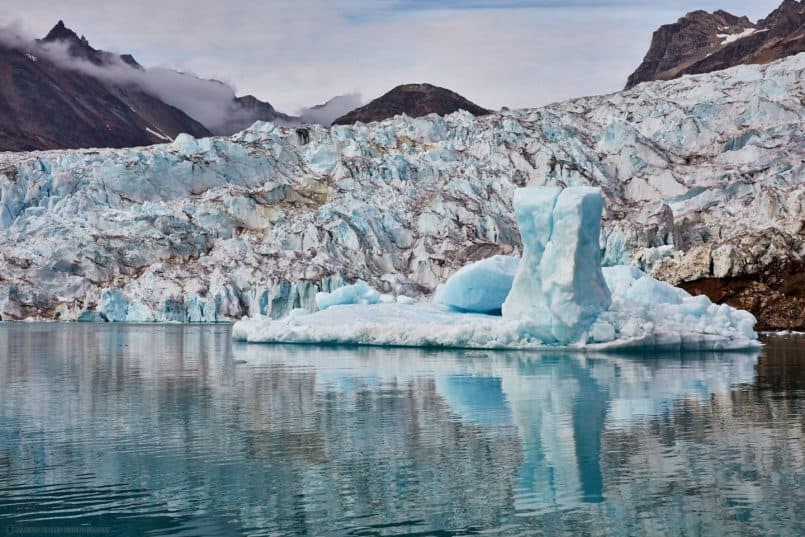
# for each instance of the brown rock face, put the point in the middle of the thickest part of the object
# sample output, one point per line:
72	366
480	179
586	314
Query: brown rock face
414	100
776	296
702	42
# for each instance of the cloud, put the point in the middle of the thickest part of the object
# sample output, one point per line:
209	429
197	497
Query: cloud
325	114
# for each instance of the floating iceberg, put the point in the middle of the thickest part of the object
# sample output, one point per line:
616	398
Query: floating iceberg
557	295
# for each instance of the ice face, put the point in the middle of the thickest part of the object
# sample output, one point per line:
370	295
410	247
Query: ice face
533	210
480	287
559	287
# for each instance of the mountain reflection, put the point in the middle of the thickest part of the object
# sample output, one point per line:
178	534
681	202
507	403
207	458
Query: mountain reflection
174	429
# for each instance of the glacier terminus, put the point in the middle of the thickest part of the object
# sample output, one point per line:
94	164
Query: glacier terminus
701	178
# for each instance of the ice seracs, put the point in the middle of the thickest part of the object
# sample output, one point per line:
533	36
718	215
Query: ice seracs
557	296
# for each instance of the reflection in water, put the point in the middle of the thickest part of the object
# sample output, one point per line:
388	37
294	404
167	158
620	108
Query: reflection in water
161	429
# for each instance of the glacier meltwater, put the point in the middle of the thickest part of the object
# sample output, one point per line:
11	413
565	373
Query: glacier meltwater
556	295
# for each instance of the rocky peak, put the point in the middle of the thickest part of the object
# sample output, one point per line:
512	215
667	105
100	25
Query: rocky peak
414	100
78	47
789	17
701	42
60	32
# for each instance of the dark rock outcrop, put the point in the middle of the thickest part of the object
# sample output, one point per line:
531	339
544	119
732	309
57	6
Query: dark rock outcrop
775	295
702	42
414	100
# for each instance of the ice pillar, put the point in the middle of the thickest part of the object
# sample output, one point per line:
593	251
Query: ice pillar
559	287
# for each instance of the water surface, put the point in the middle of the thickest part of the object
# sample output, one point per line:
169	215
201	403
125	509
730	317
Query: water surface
172	430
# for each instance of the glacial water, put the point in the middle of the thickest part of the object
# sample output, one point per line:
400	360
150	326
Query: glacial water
173	430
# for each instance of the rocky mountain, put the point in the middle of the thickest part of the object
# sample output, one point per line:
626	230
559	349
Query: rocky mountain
60	92
415	100
703	179
45	105
79	47
702	42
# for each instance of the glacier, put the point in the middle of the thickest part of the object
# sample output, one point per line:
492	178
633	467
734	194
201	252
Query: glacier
557	297
702	177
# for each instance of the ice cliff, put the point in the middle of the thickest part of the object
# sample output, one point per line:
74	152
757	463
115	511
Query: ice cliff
702	177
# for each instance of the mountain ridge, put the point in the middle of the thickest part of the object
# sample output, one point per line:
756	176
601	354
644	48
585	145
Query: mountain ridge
702	42
59	92
47	107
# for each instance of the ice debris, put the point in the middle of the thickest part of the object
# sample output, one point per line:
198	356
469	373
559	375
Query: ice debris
357	293
557	296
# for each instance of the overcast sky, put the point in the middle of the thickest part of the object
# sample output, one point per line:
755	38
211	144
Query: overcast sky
512	53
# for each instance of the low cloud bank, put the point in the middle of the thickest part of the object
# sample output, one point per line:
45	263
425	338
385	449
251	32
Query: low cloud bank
325	114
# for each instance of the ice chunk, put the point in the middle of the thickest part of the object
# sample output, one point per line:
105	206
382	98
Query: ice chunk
113	307
480	287
559	286
357	293
634	285
649	313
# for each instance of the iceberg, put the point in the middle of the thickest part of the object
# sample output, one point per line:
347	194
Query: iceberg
558	296
479	287
559	286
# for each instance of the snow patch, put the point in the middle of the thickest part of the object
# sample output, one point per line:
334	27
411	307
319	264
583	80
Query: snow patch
159	134
731	38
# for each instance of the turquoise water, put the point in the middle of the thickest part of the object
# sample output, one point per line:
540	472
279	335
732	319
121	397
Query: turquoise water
172	430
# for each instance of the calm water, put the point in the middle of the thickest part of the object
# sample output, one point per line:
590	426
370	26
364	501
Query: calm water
172	430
